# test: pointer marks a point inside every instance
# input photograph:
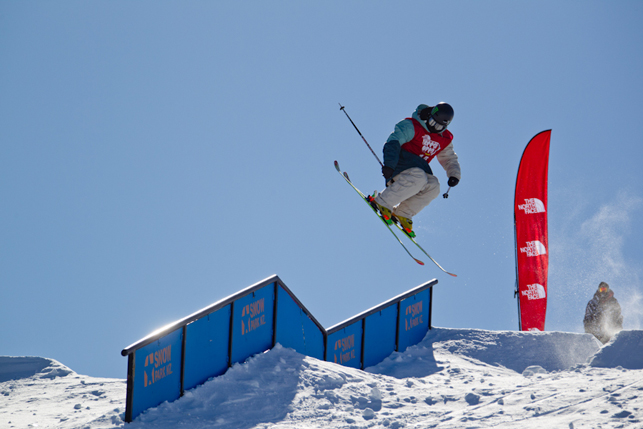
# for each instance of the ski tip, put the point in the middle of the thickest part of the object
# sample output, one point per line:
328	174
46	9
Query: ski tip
418	261
337	165
452	275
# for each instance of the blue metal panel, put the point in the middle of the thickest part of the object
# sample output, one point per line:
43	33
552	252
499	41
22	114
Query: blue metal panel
289	326
157	373
295	329
414	319
345	346
379	335
252	324
206	347
313	338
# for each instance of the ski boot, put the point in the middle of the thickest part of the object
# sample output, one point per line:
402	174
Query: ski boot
406	224
384	213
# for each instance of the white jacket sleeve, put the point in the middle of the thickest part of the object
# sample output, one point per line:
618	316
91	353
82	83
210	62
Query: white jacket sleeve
449	161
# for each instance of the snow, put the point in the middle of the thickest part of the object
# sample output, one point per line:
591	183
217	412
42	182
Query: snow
455	378
43	393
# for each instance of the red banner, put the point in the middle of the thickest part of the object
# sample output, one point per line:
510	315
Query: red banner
532	245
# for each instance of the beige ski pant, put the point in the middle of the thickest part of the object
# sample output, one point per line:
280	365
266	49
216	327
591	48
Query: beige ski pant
410	192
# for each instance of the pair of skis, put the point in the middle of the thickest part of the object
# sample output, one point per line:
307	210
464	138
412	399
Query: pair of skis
365	198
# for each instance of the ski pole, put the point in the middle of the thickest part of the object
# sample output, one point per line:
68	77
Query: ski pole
446	194
360	134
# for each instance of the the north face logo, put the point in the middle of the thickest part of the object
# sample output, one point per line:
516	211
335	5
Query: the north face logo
534	248
532	205
429	147
535	291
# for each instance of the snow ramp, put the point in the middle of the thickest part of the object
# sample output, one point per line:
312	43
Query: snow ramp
625	350
553	351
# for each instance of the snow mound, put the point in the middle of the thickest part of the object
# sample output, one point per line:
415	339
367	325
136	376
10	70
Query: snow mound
17	368
41	392
624	350
530	371
552	351
260	390
464	378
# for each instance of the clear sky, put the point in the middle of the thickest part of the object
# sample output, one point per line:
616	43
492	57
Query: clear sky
156	157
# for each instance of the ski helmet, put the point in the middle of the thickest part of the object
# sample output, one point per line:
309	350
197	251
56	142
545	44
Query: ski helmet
437	118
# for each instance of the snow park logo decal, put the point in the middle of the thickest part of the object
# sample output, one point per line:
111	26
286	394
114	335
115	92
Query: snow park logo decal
161	361
535	291
534	248
346	346
414	316
532	205
255	315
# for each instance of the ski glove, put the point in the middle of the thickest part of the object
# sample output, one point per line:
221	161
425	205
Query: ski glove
387	172
453	181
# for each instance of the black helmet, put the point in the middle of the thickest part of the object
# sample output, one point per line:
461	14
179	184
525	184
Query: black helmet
437	118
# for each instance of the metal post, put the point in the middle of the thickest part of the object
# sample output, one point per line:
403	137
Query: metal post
130	386
182	375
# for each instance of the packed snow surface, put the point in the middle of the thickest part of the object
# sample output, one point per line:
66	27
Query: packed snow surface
455	378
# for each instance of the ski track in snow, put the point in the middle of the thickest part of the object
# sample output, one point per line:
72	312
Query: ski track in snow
455	378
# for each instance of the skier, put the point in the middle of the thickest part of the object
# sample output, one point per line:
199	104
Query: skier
603	316
410	183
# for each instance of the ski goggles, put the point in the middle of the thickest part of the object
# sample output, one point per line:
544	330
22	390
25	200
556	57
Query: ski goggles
435	124
602	289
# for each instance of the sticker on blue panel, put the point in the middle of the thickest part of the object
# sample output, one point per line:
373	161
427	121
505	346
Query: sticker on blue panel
414	319
346	344
414	315
252	324
158	372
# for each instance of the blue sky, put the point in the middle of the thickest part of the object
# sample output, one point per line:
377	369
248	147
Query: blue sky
156	157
